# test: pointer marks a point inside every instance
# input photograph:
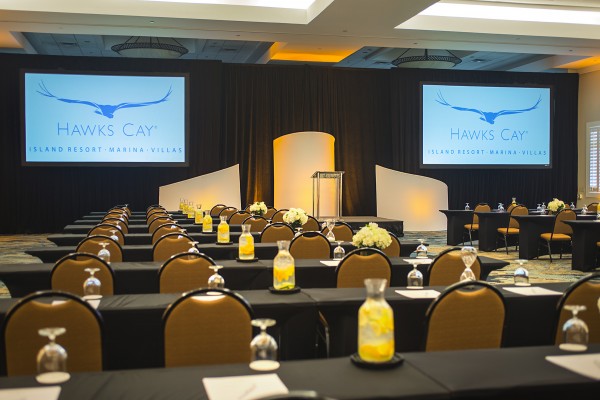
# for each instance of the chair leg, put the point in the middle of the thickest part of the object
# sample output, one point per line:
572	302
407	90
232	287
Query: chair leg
506	243
470	238
549	250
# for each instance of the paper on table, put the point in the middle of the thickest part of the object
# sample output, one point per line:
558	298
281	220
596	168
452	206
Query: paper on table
331	263
92	302
418	260
243	387
531	291
33	393
419	294
583	364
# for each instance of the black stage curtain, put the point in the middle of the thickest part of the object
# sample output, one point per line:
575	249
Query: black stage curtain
237	110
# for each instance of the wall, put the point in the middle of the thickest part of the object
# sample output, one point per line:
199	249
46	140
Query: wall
589	111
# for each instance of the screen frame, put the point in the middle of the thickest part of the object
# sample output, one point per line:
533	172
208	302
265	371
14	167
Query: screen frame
486	166
108	164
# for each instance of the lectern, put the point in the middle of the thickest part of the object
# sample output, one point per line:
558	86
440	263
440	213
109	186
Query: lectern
327	194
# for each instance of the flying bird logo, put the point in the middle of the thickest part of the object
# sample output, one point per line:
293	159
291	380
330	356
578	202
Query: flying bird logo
487	116
106	110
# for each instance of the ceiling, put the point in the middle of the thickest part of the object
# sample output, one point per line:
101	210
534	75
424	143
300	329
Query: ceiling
342	33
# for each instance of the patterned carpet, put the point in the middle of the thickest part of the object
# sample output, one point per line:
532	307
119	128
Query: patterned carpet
540	270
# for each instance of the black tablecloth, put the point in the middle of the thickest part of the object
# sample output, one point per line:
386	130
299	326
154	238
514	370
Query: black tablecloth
84	226
142	277
489	374
227	252
72	239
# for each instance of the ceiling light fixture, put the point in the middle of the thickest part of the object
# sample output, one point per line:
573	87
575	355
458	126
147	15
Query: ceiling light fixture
423	58
150	47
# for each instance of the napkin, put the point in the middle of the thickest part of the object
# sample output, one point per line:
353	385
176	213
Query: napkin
243	387
33	393
587	365
531	291
419	294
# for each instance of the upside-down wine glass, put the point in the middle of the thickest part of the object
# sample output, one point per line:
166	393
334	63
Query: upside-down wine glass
521	274
500	207
104	253
216	281
298	231
92	287
193	248
339	252
330	225
52	358
263	347
113	235
539	208
415	277
575	330
572	205
421	249
468	254
467	208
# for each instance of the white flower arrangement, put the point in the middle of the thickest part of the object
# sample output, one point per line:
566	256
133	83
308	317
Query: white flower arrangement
258	208
556	206
371	235
296	217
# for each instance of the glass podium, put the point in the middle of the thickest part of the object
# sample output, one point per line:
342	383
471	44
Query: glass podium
327	194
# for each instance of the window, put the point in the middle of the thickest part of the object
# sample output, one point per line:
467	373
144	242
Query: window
593	159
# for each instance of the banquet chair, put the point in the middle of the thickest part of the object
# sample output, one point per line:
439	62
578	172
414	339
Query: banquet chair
185	271
278	215
169	245
257	223
310	245
447	267
270	212
466	315
169	227
153	226
155	214
214	212
586	292
393	250
82	339
68	274
207	326
512	229
361	264
123	226
154	209
91	244
474	225
592	208
561	232
341	231
125	210
311	224
107	230
238	217
276	231
118	215
227	212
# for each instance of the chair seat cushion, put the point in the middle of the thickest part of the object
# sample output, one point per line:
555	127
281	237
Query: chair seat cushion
472	227
510	231
558	237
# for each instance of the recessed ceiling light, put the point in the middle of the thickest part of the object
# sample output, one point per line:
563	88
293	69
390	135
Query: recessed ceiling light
294	4
511	13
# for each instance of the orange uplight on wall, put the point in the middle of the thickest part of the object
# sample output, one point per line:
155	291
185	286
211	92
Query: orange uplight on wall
296	157
586	62
313	57
7	41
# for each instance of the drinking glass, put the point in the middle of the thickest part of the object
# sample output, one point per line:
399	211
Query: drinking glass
193	248
113	235
539	208
263	347
421	249
500	207
543	206
572	205
339	252
216	281
415	277
521	274
575	330
468	254
92	285
467	208
52	358
298	232
584	209
104	254
330	225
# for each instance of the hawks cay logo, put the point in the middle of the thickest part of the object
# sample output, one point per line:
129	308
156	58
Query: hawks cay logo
106	110
487	116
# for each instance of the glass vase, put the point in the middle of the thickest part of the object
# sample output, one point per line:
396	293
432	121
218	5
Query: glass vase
284	274
375	325
246	244
207	224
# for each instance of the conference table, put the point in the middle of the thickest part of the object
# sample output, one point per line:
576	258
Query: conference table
455	225
84	226
485	374
585	236
133	323
72	239
142	277
214	250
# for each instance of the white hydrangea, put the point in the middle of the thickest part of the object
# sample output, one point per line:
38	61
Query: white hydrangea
258	208
556	205
371	235
296	217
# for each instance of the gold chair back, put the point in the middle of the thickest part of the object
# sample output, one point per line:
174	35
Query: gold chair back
447	267
82	339
238	217
592	208
276	231
586	292
169	245
214	212
311	225
257	224
118	223
357	266
106	230
278	215
204	328
184	272
341	231
228	212
467	315
91	244
560	226
270	212
481	207
310	245
162	230
69	274
393	250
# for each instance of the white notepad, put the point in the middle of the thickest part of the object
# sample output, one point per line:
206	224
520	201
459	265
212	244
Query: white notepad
587	365
418	260
33	393
419	294
247	387
532	291
331	263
